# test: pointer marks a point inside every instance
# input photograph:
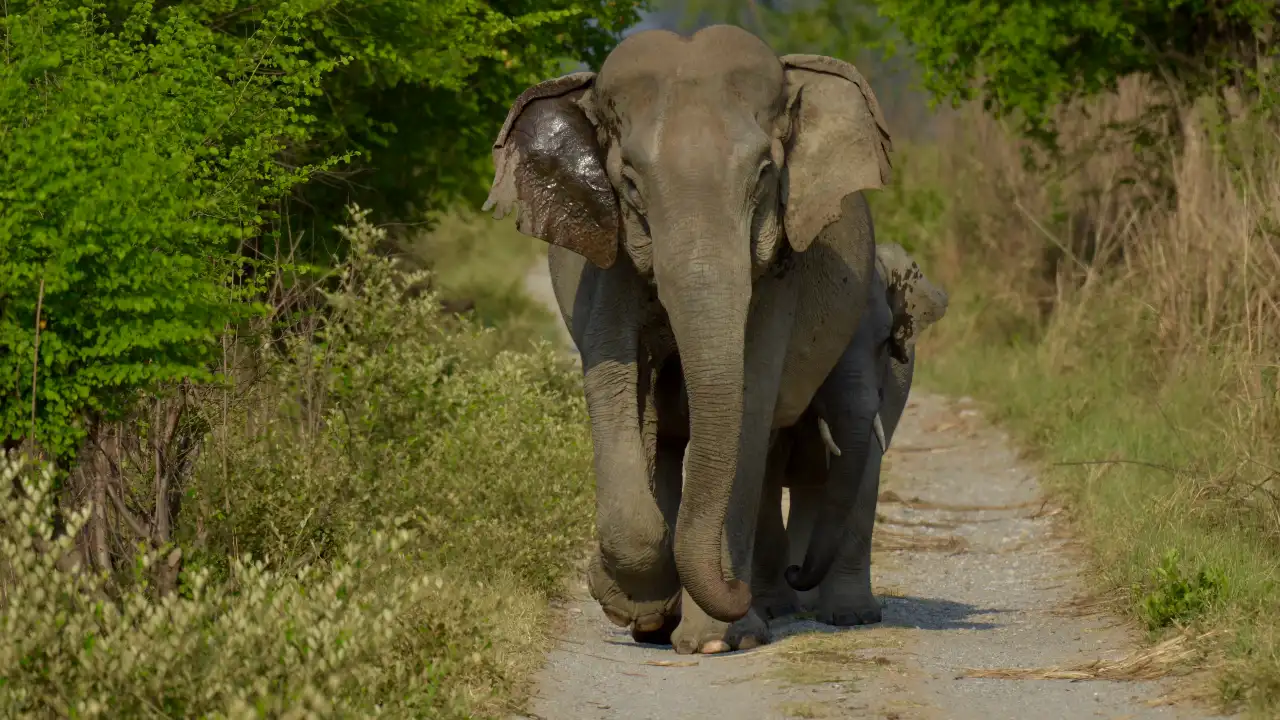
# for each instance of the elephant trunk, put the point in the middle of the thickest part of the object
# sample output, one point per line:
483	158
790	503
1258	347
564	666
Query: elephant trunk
706	289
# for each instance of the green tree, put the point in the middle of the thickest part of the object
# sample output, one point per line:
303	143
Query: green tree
846	29
132	162
424	91
1023	58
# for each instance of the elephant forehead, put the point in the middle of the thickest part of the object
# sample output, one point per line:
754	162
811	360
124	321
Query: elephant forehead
719	64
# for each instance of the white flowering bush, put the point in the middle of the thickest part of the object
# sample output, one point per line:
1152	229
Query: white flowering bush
320	642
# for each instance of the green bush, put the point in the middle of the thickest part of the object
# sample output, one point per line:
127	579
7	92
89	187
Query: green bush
146	154
1176	597
327	640
468	469
383	394
132	162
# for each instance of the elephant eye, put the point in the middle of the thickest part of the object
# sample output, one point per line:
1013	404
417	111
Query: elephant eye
632	193
764	178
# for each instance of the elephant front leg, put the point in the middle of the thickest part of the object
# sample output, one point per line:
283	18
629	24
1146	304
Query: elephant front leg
668	464
633	576
845	597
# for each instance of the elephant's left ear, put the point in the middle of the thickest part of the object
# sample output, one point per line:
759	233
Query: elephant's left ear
915	301
837	142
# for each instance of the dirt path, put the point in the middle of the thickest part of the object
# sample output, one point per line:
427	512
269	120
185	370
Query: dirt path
973	572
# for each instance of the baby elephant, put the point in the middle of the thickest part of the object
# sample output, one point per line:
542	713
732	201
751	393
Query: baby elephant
876	368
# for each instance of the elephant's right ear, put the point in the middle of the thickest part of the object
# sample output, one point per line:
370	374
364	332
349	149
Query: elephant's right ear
916	303
549	166
838	142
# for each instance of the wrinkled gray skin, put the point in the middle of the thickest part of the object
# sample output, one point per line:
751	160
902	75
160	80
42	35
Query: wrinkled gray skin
730	178
877	367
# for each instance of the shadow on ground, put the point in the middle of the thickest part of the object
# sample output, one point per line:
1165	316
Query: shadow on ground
901	611
936	614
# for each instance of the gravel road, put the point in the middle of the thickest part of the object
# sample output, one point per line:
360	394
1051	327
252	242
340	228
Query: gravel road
974	571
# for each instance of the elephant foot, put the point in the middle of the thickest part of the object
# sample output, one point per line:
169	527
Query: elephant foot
700	633
862	610
774	604
661	636
647	618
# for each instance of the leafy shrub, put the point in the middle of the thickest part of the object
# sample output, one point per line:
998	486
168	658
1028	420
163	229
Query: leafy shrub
327	640
387	409
1176	597
373	528
144	152
132	162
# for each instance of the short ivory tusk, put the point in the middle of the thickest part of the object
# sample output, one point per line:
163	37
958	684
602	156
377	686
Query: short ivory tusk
830	442
825	432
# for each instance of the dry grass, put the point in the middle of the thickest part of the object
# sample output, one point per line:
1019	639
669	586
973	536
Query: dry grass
1120	311
806	710
934	524
1107	602
814	658
1169	657
884	540
890	496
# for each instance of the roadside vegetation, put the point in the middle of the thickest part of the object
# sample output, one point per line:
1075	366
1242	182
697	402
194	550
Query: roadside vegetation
1130	341
268	454
1112	259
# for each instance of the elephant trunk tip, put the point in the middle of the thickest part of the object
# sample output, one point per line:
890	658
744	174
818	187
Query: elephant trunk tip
737	604
799	580
726	600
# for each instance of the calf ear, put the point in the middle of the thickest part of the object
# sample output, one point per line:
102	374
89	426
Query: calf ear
838	142
550	168
915	301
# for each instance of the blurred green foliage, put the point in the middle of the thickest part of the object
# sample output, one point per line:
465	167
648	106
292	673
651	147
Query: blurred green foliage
839	28
1025	58
1022	58
423	90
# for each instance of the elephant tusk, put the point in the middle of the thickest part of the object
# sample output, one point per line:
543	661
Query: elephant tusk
879	428
825	432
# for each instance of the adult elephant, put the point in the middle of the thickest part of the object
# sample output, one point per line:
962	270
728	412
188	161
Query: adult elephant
877	367
702	199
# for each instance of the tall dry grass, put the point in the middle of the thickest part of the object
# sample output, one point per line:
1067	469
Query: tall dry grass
1180	263
1120	305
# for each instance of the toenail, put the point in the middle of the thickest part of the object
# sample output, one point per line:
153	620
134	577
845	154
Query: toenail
648	623
616	617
